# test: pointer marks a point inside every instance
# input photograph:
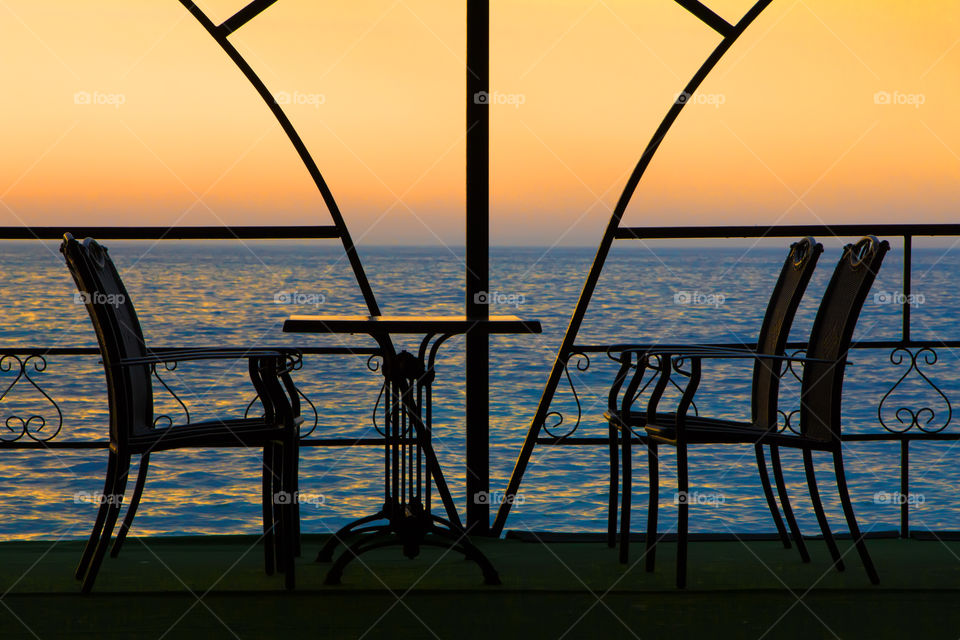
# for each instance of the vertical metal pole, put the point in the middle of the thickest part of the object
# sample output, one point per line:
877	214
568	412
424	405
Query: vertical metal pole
905	336
478	265
904	488
907	285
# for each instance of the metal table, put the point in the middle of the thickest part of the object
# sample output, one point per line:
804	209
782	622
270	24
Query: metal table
405	518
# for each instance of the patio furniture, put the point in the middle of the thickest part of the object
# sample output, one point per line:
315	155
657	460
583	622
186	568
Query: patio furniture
798	267
405	519
820	400
134	430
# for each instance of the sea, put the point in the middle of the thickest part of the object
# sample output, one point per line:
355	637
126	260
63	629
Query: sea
233	293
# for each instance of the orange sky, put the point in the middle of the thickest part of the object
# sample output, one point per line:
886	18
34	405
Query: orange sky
786	130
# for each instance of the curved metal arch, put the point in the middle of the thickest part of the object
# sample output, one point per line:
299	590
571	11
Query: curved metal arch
730	35
220	33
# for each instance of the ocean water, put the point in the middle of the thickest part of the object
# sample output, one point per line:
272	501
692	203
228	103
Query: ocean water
236	293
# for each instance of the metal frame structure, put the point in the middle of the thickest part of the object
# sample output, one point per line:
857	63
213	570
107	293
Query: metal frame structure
477	223
221	33
477	260
730	34
922	420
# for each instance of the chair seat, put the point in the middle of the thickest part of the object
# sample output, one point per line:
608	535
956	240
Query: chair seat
704	430
240	432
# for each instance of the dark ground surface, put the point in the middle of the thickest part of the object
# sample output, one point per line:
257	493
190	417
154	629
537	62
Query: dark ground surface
214	587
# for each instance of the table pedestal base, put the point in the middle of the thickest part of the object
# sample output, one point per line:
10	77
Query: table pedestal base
405	525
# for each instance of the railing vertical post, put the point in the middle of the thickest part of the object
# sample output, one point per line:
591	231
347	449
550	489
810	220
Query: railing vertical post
478	265
905	336
904	488
907	270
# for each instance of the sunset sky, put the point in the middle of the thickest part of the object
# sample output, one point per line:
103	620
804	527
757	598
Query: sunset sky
786	130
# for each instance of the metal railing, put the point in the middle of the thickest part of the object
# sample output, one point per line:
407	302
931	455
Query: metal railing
912	353
911	425
35	431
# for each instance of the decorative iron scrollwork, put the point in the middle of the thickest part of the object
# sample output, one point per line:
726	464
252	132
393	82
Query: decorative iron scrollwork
163	417
294	362
582	364
791	368
34	425
910	417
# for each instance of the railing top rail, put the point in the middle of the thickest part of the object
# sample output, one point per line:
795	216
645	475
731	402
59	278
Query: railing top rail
84	351
861	344
785	231
263	232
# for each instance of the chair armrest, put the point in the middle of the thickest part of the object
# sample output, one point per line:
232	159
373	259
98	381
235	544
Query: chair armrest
274	386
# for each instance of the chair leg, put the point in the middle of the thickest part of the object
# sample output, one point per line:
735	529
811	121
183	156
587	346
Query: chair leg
279	512
268	500
653	503
132	507
114	502
94	538
852	519
296	490
626	493
291	512
683	512
768	494
614	488
785	504
818	509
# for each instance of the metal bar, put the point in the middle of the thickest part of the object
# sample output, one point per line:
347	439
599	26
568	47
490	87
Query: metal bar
478	266
244	16
266	232
707	15
907	270
559	442
593	277
889	436
171	233
862	344
95	351
786	231
300	147
103	444
904	488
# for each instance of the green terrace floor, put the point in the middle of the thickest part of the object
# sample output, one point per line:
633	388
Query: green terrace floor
553	587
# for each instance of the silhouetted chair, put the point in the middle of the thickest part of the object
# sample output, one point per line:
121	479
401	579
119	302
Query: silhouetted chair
127	363
798	267
820	400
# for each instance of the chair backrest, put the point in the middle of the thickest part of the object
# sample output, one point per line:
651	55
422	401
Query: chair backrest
119	335
822	385
775	329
